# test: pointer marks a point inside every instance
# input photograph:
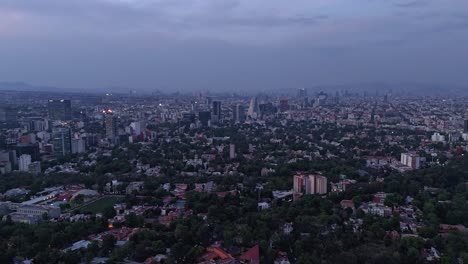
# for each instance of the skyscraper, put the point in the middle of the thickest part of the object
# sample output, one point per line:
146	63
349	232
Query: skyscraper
301	92
59	109
216	112
204	117
238	113
8	115
61	141
111	126
253	108
465	127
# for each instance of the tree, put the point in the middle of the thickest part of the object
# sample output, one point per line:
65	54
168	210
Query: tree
108	244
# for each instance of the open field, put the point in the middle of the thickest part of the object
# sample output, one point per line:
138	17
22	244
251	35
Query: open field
99	205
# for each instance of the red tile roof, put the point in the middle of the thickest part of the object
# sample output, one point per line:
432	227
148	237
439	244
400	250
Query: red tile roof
252	255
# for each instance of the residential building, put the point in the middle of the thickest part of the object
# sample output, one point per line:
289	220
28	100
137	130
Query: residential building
24	162
78	146
411	160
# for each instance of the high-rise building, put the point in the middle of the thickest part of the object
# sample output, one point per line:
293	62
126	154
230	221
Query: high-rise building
320	184
311	184
8	115
465	126
62	141
111	126
284	105
411	160
204	117
24	162
9	156
137	127
253	111
238	113
216	112
298	183
232	151
301	92
78	146
59	109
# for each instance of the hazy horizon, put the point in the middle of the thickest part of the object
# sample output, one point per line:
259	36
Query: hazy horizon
232	45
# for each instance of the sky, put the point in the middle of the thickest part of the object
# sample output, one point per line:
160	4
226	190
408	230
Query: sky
232	45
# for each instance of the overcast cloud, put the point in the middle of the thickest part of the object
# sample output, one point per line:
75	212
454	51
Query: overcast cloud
232	44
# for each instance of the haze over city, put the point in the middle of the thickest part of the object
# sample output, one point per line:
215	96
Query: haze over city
233	131
232	45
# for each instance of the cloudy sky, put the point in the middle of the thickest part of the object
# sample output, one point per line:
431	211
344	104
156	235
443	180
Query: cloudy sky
232	44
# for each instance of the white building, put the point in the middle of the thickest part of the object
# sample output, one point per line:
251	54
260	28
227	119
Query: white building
24	161
78	146
136	127
411	160
437	137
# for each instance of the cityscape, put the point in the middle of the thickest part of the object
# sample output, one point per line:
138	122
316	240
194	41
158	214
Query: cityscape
233	132
208	178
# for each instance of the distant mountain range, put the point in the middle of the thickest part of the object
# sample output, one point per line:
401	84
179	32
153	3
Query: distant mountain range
26	87
407	88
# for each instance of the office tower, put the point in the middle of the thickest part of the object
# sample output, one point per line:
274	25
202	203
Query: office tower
284	105
24	162
204	117
232	151
8	115
216	112
465	127
301	92
111	126
238	113
253	108
78	146
59	109
62	141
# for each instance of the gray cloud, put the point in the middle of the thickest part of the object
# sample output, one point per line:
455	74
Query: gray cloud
230	43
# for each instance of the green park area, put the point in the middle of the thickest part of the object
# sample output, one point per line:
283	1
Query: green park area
101	204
